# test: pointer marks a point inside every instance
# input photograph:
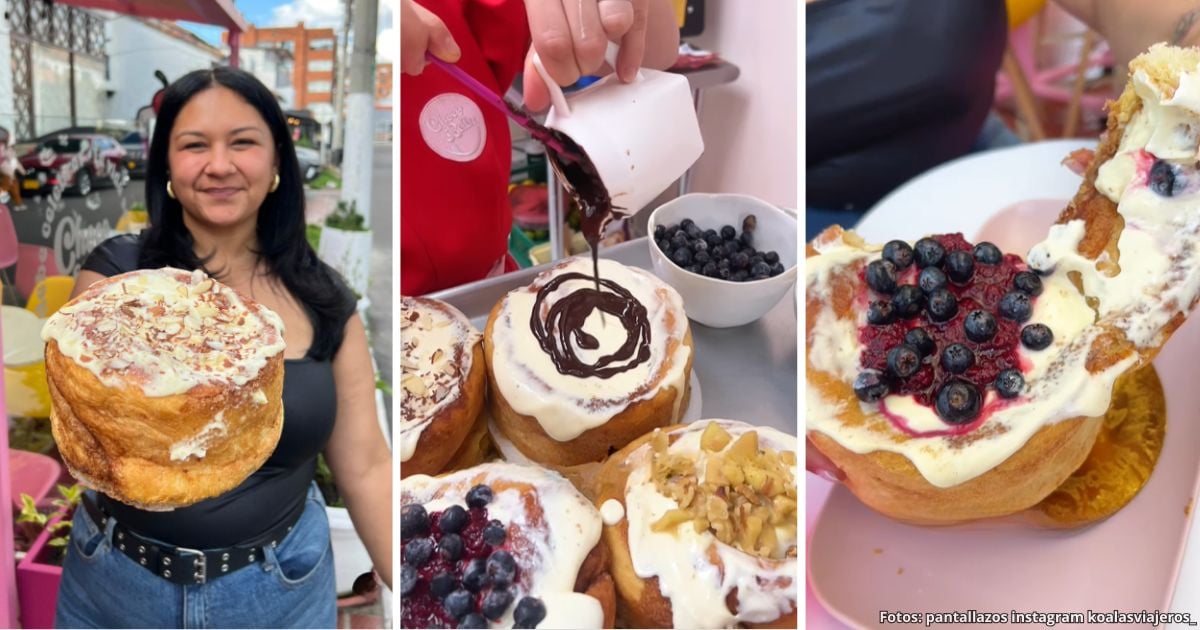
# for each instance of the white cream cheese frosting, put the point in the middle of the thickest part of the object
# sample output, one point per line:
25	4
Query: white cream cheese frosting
437	345
166	330
1159	277
566	406
679	558
559	537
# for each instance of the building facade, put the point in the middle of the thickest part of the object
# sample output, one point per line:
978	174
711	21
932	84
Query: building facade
274	67
314	54
138	47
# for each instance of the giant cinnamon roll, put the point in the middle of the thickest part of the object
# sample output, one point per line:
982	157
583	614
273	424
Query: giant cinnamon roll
501	545
579	370
930	434
701	520
442	389
166	386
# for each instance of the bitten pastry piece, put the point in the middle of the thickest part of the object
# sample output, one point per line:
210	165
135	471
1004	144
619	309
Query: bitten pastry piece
933	433
577	373
501	545
442	386
701	520
166	386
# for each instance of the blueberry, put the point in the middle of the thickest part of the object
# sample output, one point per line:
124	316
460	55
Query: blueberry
942	305
709	269
724	273
903	361
660	231
980	326
881	276
1037	336
724	263
747	239
957	358
693	269
908	301
1028	283
458	603
1163	179
479	496
408	579
755	259
777	269
1015	306
672	230
727	232
664	246
959	266
501	568
713	240
693	232
686	223
701	258
442	584
494	533
958	402
679	240
871	386
682	257
709	233
451	546
928	253
699	245
495	603
474	575
453	519
760	270
716	251
414	521
741	275
771	257
898	253
418	551
931	279
473	620
920	340
881	313
530	611
1009	383
732	247
987	253
740	260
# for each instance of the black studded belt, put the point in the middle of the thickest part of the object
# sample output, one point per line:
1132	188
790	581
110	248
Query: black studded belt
181	565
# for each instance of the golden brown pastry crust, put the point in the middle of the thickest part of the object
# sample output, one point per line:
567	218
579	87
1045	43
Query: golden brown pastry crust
444	437
641	603
596	443
119	441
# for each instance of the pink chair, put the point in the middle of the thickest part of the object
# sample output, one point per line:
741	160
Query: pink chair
8	238
27	267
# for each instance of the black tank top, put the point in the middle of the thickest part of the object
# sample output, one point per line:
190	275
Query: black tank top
894	87
273	493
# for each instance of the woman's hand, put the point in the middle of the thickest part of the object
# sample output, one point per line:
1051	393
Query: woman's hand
570	37
420	31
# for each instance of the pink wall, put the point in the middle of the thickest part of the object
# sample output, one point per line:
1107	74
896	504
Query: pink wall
749	125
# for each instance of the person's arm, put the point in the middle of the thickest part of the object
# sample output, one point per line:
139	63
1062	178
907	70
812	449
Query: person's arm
421	30
357	455
84	279
1131	26
570	37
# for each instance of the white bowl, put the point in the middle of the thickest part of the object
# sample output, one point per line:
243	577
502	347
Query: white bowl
724	303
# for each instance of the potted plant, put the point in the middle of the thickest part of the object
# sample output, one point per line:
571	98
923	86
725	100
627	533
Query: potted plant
346	246
40	571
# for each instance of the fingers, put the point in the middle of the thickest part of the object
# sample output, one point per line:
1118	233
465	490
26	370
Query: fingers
420	31
633	44
537	95
616	16
568	36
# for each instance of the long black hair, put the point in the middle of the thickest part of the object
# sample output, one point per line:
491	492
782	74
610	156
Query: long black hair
281	228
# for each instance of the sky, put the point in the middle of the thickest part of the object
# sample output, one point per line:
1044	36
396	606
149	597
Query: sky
314	13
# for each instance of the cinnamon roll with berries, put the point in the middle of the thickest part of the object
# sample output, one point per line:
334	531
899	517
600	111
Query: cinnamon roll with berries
579	368
950	382
166	386
501	545
442	387
701	521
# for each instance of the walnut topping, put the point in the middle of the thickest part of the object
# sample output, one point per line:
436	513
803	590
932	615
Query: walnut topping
745	495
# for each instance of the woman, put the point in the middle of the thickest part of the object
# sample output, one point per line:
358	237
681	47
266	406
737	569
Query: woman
224	194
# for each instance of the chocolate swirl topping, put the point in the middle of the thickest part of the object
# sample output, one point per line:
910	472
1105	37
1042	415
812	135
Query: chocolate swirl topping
564	324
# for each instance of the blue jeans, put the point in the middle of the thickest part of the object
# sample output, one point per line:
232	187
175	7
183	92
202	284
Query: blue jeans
293	587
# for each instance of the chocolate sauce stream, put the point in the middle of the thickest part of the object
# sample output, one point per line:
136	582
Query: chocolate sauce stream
564	324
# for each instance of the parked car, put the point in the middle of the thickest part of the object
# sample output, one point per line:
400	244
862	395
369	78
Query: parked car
50	162
310	162
135	147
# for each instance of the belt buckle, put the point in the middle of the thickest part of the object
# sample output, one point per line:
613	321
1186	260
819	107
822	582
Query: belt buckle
199	564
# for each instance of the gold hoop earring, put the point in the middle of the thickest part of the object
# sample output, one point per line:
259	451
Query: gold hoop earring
275	183
170	191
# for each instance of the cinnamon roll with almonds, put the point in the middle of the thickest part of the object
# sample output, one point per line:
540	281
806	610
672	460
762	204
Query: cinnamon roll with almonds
578	371
166	386
442	389
701	520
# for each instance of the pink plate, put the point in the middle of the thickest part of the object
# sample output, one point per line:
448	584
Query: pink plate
861	563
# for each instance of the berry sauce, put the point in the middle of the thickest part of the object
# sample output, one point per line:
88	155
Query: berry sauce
988	284
420	609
